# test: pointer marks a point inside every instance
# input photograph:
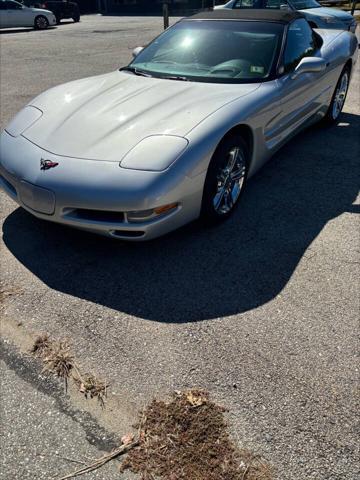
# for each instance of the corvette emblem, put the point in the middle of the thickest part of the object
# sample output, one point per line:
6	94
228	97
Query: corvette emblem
47	164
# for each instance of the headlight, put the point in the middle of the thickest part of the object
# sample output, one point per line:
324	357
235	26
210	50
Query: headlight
23	120
330	20
155	153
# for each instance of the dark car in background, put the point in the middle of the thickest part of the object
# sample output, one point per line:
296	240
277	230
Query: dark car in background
61	9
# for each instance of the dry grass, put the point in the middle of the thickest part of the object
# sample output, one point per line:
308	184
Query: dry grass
59	359
187	439
56	356
92	387
183	439
100	462
41	345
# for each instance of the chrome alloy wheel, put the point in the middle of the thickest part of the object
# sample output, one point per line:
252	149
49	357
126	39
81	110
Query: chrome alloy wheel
230	181
340	95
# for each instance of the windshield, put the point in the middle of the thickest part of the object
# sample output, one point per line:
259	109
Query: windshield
212	51
304	4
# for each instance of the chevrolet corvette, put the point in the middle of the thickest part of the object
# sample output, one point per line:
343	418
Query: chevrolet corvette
175	135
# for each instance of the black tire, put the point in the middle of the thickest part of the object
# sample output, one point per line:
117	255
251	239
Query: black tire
214	183
58	20
333	113
41	23
76	17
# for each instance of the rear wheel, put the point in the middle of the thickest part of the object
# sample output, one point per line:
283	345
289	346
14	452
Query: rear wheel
41	23
76	17
225	179
58	19
339	97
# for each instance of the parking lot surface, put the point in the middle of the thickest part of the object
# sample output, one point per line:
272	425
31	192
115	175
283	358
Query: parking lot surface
262	311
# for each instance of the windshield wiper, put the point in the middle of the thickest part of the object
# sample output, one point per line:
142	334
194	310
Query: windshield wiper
136	71
176	77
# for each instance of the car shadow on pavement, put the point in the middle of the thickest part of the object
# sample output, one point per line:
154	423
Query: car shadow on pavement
17	30
195	274
8	31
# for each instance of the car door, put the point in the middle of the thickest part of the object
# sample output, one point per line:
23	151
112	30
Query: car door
3	15
17	14
303	95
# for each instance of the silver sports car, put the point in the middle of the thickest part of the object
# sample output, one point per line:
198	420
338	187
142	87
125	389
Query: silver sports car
175	135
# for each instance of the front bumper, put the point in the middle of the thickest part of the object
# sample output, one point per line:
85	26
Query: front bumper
103	190
51	20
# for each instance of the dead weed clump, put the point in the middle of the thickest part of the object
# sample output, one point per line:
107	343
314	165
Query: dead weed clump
187	439
56	356
59	359
41	344
92	387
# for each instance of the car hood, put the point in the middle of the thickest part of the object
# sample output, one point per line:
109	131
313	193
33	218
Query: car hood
328	12
102	118
40	10
328	35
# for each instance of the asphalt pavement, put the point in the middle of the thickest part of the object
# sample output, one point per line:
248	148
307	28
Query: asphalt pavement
263	311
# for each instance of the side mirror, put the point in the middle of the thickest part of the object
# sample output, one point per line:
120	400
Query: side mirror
309	64
136	51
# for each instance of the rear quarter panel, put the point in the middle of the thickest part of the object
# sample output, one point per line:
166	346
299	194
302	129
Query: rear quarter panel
338	48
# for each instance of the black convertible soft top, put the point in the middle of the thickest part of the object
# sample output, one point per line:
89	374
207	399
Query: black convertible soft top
263	15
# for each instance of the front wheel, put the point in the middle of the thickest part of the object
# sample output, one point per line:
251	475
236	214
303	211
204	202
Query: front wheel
225	179
41	23
76	18
339	97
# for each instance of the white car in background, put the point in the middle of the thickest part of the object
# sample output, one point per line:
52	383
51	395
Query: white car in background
14	14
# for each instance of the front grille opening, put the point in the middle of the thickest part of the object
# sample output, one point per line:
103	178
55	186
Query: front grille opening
8	186
128	233
101	216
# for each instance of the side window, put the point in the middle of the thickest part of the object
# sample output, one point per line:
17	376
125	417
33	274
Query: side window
3	5
300	43
275	4
245	4
13	6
